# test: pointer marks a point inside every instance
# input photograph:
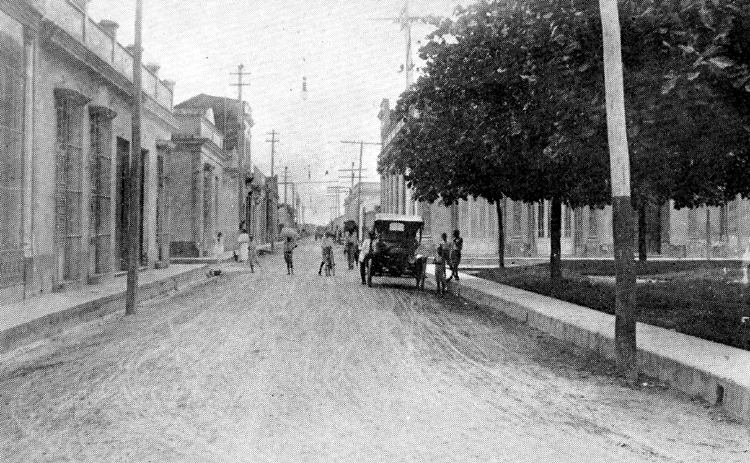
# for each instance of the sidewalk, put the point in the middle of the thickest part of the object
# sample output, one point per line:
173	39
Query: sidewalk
226	257
719	374
44	315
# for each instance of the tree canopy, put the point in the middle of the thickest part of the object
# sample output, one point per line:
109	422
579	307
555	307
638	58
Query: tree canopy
511	104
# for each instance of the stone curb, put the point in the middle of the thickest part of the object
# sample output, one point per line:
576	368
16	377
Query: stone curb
717	373
53	323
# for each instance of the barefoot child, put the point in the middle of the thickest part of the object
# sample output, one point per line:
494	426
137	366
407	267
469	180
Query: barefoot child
441	254
289	246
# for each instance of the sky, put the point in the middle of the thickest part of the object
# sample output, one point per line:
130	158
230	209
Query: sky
351	63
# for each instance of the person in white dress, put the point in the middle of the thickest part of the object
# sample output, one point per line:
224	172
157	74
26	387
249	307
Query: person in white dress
242	240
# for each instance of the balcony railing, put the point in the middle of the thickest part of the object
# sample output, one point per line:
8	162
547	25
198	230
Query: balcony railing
73	20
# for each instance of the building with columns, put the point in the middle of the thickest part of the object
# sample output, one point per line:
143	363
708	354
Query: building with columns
64	162
586	232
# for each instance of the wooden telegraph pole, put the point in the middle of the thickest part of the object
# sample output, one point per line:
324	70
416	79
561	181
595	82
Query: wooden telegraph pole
241	149
273	141
359	185
622	209
134	211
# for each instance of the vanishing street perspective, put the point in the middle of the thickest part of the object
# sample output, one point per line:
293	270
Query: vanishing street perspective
375	231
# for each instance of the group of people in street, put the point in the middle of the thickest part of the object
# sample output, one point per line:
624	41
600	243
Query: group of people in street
447	254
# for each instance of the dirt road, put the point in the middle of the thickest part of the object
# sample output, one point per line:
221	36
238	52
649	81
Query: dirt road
266	367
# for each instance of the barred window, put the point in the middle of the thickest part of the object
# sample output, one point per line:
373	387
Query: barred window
101	179
68	181
567	222
723	223
517	218
540	220
593	222
692	225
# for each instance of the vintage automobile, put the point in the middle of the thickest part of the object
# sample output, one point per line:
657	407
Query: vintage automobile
395	251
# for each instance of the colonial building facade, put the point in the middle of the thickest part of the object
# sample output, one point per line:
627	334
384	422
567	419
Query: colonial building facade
586	232
206	164
64	161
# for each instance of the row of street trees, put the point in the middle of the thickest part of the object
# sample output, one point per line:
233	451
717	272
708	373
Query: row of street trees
511	104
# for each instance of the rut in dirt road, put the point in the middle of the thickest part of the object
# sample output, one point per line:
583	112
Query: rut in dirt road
277	368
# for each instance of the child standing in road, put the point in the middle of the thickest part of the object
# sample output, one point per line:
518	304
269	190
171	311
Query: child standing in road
289	246
441	255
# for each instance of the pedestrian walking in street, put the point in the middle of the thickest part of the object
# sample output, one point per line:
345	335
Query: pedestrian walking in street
365	253
350	249
456	246
252	254
326	248
442	253
289	246
242	240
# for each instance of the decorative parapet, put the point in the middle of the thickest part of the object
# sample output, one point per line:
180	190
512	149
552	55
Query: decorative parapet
101	38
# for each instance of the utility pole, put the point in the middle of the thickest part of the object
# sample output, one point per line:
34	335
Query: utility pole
406	20
359	185
241	146
134	211
622	209
286	173
273	142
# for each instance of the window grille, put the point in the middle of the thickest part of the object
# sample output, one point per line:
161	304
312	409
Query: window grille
11	152
207	203
567	222
540	220
122	211
723	223
593	223
161	235
68	179
101	197
732	217
517	218
692	225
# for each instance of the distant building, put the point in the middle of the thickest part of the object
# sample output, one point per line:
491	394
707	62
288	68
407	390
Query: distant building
476	219
203	196
261	197
368	199
65	109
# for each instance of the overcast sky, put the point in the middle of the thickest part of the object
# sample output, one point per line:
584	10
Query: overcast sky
351	64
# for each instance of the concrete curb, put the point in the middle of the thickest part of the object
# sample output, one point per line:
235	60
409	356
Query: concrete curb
719	374
55	322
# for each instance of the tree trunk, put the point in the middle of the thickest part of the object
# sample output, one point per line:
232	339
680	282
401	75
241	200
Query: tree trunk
555	264
708	233
500	235
642	248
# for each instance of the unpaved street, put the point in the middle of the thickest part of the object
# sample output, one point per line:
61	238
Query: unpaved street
266	367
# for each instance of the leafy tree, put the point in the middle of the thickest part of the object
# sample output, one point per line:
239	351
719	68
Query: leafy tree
513	106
